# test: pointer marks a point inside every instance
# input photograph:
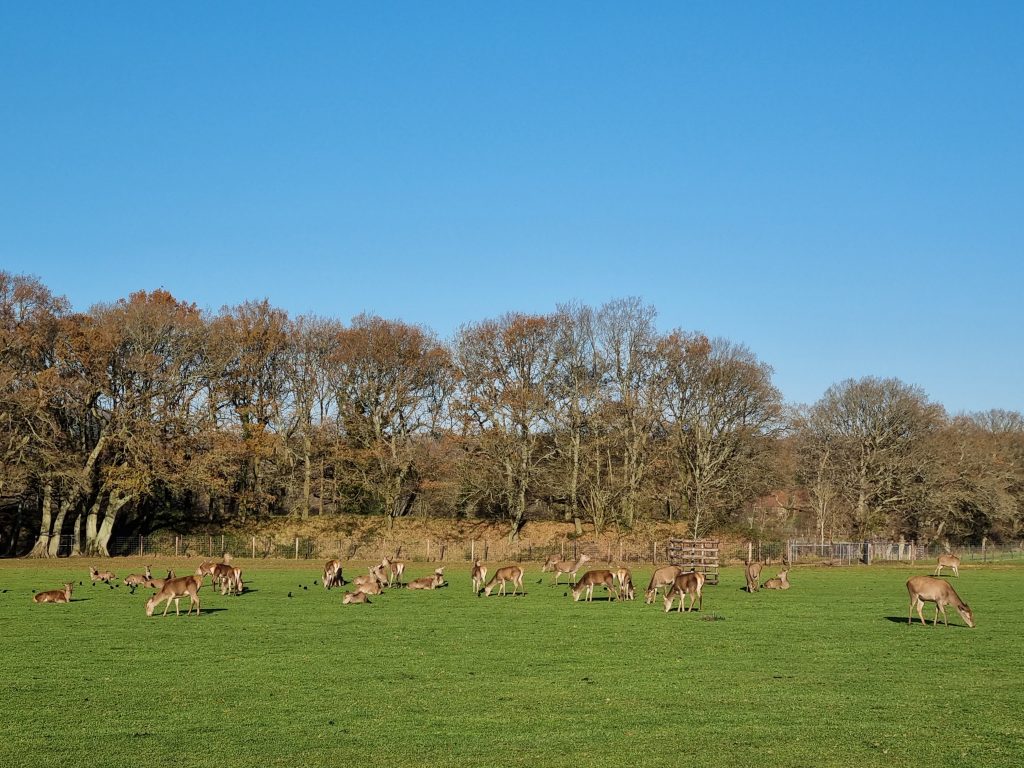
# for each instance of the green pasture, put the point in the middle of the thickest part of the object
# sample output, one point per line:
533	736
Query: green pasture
825	674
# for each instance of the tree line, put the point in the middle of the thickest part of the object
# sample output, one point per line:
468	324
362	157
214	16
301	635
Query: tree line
149	413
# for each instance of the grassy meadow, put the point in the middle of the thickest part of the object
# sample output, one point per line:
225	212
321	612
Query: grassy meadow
827	673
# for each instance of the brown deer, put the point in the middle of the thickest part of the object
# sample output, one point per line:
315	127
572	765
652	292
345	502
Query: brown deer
207	568
752	572
332	574
223	574
428	582
159	583
511	573
591	579
394	570
569	566
137	580
358	597
625	579
689	583
928	589
948	561
55	595
175	589
549	564
105	576
780	582
479	575
371	582
662	577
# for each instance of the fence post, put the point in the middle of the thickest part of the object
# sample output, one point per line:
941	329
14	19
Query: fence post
222	543
253	547
296	547
140	545
654	558
750	551
472	550
428	550
177	540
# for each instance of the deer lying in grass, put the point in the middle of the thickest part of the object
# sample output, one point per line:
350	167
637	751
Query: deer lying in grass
780	582
372	583
928	589
569	566
511	573
332	574
663	577
591	579
358	597
55	595
105	576
394	570
479	575
948	561
752	572
175	589
689	583
137	580
428	582
625	579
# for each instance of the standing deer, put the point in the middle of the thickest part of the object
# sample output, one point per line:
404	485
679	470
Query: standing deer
689	583
55	595
428	582
781	582
394	570
663	577
175	589
752	572
332	574
625	579
479	575
591	579
105	576
207	568
511	573
549	564
948	561
569	566
928	589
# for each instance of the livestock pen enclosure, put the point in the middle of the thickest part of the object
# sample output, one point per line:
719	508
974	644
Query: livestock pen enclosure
827	673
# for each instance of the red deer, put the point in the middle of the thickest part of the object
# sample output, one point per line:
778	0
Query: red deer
752	572
394	570
928	589
159	583
569	566
332	574
549	564
175	589
625	579
479	575
689	583
137	580
55	595
663	577
781	582
206	568
511	573
948	561
428	582
593	579
357	597
105	576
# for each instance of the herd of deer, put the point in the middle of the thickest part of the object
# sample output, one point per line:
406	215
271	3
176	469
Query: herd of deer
618	583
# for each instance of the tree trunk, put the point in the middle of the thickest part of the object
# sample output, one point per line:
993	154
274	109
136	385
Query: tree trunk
98	545
79	533
42	545
58	527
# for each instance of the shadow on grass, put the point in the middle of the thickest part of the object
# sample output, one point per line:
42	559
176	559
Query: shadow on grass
917	622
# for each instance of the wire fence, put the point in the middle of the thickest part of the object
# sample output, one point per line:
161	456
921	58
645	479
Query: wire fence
623	551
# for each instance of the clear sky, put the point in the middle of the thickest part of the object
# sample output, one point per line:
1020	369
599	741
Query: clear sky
839	186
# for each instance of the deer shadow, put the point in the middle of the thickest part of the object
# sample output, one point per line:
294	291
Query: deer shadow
917	621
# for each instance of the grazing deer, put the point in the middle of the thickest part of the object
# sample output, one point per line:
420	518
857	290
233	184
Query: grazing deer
689	583
479	575
428	582
591	579
222	575
394	570
781	582
332	574
928	589
752	572
105	576
663	577
55	595
175	589
625	579
358	597
569	566
511	573
948	561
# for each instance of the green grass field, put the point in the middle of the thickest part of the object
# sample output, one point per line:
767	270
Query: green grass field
827	673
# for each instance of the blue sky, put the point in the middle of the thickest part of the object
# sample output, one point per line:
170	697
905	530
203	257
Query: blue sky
838	186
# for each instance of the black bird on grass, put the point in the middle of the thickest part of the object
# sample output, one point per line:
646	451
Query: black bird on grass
289	594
